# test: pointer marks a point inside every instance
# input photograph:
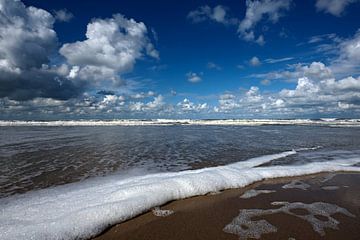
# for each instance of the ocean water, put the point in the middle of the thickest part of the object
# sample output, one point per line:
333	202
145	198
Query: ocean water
66	182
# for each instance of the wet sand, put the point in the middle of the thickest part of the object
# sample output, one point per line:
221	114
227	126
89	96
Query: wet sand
205	217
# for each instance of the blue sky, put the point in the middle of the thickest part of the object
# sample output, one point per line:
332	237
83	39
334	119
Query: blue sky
197	59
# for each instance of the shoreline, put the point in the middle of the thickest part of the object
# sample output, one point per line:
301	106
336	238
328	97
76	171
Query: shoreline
205	217
87	209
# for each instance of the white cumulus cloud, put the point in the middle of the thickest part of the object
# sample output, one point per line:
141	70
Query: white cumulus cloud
112	47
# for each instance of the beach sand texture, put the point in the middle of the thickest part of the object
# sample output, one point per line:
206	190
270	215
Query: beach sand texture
215	215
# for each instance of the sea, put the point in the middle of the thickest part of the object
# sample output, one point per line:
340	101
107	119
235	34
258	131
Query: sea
73	179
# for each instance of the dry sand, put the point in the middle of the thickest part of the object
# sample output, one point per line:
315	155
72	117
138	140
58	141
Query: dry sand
204	217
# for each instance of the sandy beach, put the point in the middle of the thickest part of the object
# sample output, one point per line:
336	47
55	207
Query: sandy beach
322	206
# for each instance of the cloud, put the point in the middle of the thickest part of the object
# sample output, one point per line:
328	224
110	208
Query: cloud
350	49
240	66
334	7
142	95
106	92
187	106
273	60
34	83
193	77
85	105
227	96
253	95
317	91
217	14
344	59
29	46
314	70
227	102
324	37
265	82
344	53
27	36
63	15
255	61
256	10
324	43
157	68
27	39
349	55
111	100
156	104
112	47
326	94
173	93
211	65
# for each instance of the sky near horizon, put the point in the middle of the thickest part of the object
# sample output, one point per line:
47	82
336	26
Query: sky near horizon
166	59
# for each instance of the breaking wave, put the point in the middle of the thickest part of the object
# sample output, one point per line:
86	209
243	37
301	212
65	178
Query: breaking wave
138	122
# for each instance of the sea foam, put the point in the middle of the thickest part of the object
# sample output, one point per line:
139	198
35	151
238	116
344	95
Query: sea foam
82	210
244	225
254	192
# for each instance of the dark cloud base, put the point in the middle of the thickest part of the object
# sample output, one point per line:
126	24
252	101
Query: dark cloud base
37	83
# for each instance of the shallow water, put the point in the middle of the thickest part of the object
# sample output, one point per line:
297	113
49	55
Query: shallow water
38	157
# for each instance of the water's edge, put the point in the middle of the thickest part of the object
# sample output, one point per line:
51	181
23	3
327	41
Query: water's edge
85	209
